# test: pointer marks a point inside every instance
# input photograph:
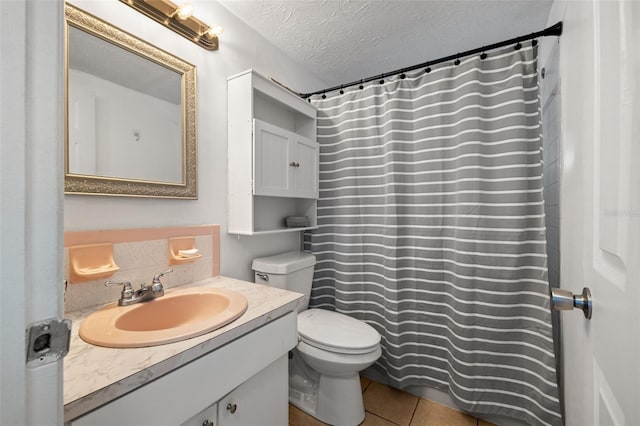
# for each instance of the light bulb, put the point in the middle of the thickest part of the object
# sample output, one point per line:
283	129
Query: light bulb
213	31
185	11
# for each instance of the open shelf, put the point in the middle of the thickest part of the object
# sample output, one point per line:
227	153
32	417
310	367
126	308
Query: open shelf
265	231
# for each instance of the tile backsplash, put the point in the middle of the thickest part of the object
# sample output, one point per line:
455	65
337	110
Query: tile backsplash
141	254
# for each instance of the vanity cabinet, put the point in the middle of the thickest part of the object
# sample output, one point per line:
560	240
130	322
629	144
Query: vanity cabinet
273	156
250	372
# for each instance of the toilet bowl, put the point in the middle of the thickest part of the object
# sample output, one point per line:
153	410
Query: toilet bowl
338	347
333	348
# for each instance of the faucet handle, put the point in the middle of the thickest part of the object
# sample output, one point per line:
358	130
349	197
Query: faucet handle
112	283
127	290
156	278
156	284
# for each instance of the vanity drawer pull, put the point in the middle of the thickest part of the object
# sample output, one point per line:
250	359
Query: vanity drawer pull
232	408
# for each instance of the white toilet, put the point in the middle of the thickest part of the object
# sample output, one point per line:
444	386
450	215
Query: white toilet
333	348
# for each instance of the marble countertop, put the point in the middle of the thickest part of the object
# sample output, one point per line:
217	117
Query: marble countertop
94	375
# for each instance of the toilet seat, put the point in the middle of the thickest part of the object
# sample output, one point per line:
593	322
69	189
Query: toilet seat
336	332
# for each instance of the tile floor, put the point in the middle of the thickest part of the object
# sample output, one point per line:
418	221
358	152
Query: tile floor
385	406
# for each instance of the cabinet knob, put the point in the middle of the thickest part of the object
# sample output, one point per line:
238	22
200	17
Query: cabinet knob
232	408
294	164
207	423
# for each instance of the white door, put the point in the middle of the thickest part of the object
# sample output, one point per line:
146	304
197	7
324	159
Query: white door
31	170
600	216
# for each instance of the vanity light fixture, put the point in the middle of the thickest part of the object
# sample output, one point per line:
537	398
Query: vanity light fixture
180	19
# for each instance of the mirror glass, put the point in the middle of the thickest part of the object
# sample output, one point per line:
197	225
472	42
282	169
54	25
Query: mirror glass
130	114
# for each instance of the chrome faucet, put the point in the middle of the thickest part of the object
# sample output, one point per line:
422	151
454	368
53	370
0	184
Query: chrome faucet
129	297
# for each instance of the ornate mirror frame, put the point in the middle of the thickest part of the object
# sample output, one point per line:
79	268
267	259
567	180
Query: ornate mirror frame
100	185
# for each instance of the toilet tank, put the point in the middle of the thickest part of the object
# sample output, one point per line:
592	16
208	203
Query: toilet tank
292	270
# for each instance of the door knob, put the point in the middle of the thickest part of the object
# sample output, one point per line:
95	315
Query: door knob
563	300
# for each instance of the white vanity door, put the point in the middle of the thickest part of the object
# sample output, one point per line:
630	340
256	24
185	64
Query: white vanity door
262	400
207	417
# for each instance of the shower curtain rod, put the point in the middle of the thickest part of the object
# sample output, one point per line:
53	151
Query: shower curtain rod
554	30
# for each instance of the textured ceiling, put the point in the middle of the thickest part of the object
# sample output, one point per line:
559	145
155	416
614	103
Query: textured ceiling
346	40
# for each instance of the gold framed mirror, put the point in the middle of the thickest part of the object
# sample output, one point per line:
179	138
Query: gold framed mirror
130	114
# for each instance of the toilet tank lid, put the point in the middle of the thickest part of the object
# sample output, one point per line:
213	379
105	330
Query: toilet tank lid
283	263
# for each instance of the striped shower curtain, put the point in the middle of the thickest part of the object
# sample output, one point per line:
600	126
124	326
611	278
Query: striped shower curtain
431	229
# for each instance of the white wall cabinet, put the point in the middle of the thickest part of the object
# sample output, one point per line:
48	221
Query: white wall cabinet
285	163
273	156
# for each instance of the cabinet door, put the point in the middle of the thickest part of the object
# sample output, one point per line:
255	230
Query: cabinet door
306	170
262	400
271	160
207	417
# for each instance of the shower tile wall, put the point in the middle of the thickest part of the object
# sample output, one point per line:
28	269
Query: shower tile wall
550	100
551	128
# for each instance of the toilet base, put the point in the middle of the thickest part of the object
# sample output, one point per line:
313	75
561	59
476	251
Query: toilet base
339	401
333	400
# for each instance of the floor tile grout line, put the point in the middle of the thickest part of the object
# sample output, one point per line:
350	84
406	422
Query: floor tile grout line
389	420
384	418
415	408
